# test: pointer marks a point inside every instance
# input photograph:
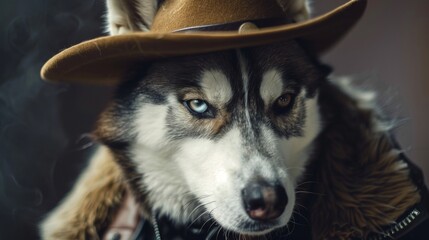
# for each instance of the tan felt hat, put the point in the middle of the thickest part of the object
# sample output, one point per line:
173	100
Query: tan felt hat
197	26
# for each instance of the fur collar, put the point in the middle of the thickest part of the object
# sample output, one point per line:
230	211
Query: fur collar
360	181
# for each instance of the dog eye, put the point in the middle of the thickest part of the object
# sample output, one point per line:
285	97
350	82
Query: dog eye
198	107
283	103
284	100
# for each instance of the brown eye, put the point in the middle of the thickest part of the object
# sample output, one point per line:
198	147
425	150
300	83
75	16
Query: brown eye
284	100
283	103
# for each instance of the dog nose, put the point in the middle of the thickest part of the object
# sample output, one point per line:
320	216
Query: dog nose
264	201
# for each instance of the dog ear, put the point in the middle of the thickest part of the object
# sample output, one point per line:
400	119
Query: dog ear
298	9
125	16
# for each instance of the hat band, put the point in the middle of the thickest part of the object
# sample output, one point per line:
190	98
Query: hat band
234	26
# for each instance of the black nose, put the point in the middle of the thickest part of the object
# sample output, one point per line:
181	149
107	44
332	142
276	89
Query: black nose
264	201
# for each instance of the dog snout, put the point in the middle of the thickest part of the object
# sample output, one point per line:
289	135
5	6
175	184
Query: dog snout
264	201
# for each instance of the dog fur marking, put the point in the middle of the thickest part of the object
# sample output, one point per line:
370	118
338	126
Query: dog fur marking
245	79
271	86
297	150
150	125
216	87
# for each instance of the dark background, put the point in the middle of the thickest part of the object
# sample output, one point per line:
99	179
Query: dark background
42	126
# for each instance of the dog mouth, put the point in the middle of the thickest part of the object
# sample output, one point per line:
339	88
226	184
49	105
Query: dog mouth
247	230
248	227
244	227
256	228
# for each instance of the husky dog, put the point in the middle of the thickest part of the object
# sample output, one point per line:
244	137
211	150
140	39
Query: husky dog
229	136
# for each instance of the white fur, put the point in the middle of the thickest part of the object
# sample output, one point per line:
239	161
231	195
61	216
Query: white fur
150	125
147	10
119	14
166	187
216	87
117	17
152	154
210	169
271	86
245	78
296	151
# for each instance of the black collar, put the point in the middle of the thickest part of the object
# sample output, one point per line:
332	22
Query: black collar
415	215
164	229
405	224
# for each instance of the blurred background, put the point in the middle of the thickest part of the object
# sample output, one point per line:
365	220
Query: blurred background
43	145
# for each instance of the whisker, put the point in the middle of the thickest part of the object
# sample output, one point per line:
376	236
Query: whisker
199	206
304	217
210	218
218	231
307	192
193	200
196	219
306	182
225	234
300	205
214	222
293	225
204	212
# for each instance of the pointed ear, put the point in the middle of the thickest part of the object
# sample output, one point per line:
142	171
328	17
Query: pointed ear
125	16
298	9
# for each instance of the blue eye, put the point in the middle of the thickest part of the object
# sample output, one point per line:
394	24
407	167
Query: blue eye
197	106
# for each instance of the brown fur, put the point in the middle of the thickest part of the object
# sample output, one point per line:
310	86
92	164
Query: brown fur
108	131
107	128
362	183
211	126
221	120
91	204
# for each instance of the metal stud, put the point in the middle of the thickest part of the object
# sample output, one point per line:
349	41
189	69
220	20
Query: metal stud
247	27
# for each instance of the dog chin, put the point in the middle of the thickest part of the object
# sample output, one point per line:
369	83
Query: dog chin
252	228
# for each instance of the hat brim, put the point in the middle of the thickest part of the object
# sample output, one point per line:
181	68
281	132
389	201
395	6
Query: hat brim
105	60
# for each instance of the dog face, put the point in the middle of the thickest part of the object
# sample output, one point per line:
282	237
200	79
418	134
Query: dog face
224	135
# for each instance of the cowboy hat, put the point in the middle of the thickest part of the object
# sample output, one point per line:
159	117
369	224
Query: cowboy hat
197	26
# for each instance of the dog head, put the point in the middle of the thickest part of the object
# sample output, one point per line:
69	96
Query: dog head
224	135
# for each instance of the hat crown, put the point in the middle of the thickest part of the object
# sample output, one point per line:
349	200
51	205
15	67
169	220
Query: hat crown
173	15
